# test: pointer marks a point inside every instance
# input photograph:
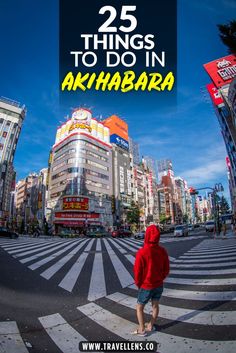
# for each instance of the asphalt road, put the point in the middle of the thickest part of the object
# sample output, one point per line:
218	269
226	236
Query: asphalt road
56	292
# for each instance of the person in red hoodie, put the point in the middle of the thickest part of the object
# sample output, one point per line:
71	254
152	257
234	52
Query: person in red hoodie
150	269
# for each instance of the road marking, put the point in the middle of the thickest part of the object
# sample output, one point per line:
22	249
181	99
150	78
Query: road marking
98	245
42	262
228	271
197	266
34	257
132	248
207	256
132	244
121	250
211	252
124	276
166	342
10	338
63	335
199	295
201	282
199	317
33	249
201	250
72	275
20	245
97	287
59	264
129	257
207	260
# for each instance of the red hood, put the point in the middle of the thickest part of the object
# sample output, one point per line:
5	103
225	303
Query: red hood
152	235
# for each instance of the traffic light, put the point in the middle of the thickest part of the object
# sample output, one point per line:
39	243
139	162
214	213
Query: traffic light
193	191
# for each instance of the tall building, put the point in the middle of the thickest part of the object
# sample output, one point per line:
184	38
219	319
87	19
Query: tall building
222	91
26	201
151	165
80	176
11	119
134	150
183	207
164	168
122	164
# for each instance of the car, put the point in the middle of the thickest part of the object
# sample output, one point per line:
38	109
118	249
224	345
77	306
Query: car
210	226
115	233
122	233
97	232
139	235
181	230
4	232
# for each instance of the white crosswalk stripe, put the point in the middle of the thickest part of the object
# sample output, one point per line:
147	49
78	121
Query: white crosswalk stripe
10	338
121	254
184	315
58	265
42	253
97	288
199	295
68	282
45	260
166	342
62	334
124	276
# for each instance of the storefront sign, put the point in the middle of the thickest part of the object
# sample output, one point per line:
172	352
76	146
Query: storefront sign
117	126
119	141
214	94
222	70
76	215
75	203
76	223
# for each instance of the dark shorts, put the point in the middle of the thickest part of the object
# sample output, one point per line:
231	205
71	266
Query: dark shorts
144	295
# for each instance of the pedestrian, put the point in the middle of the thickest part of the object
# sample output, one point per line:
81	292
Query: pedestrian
150	269
234	226
217	230
224	229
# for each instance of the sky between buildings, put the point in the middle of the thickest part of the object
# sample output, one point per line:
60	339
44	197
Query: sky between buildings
189	135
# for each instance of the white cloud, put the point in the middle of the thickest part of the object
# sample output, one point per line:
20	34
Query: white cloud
206	173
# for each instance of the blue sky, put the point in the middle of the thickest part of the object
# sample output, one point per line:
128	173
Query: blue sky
190	135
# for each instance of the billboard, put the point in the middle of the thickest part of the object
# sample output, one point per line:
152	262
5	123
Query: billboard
117	126
82	121
119	141
75	203
76	215
214	94
222	70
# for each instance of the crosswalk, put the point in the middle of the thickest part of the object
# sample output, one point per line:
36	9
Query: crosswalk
197	309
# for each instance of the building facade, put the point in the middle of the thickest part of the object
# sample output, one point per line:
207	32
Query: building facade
222	92
11	119
80	181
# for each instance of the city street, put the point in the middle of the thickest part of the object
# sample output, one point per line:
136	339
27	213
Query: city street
57	292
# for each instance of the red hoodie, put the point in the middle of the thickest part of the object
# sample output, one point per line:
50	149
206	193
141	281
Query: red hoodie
152	262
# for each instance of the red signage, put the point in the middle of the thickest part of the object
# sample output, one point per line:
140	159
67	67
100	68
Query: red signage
75	203
214	93
75	223
228	162
76	215
222	70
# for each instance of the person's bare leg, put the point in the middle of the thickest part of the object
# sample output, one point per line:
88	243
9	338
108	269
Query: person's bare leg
155	312
140	316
